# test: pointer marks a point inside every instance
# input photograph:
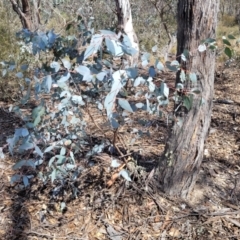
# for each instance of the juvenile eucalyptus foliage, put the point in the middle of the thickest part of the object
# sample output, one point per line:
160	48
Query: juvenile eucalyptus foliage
49	133
55	133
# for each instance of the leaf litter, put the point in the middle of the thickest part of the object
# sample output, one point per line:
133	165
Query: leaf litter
135	209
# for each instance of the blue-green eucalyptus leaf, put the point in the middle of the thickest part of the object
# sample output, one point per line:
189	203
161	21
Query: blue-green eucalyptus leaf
53	175
26	146
85	72
15	178
154	49
159	66
23	163
132	72
152	72
125	104
138	81
173	68
25	181
38	151
114	47
55	65
19	75
64	78
164	90
125	175
66	64
24	67
193	77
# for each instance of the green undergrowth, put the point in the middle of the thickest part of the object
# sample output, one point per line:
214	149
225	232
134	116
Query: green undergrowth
228	26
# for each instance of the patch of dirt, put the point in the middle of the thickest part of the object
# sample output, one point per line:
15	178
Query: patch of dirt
136	210
218	186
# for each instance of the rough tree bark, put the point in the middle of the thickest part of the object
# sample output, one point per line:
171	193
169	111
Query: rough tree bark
179	166
29	15
124	16
238	19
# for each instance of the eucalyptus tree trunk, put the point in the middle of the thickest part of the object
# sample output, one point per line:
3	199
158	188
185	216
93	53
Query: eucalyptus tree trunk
179	166
28	12
125	24
238	19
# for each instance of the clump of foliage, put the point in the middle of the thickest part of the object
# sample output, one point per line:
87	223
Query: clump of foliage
55	133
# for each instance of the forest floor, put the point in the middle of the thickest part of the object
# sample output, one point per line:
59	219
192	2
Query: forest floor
138	209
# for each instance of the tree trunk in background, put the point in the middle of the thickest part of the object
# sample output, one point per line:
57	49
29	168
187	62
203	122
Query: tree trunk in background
28	13
180	164
124	16
238	19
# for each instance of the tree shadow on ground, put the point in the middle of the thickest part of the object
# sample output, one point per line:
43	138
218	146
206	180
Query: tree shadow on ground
14	209
45	200
218	181
19	218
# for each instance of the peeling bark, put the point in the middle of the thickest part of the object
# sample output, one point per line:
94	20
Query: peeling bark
124	16
29	17
180	164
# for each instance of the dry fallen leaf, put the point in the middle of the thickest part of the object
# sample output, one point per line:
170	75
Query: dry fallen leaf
174	232
113	179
